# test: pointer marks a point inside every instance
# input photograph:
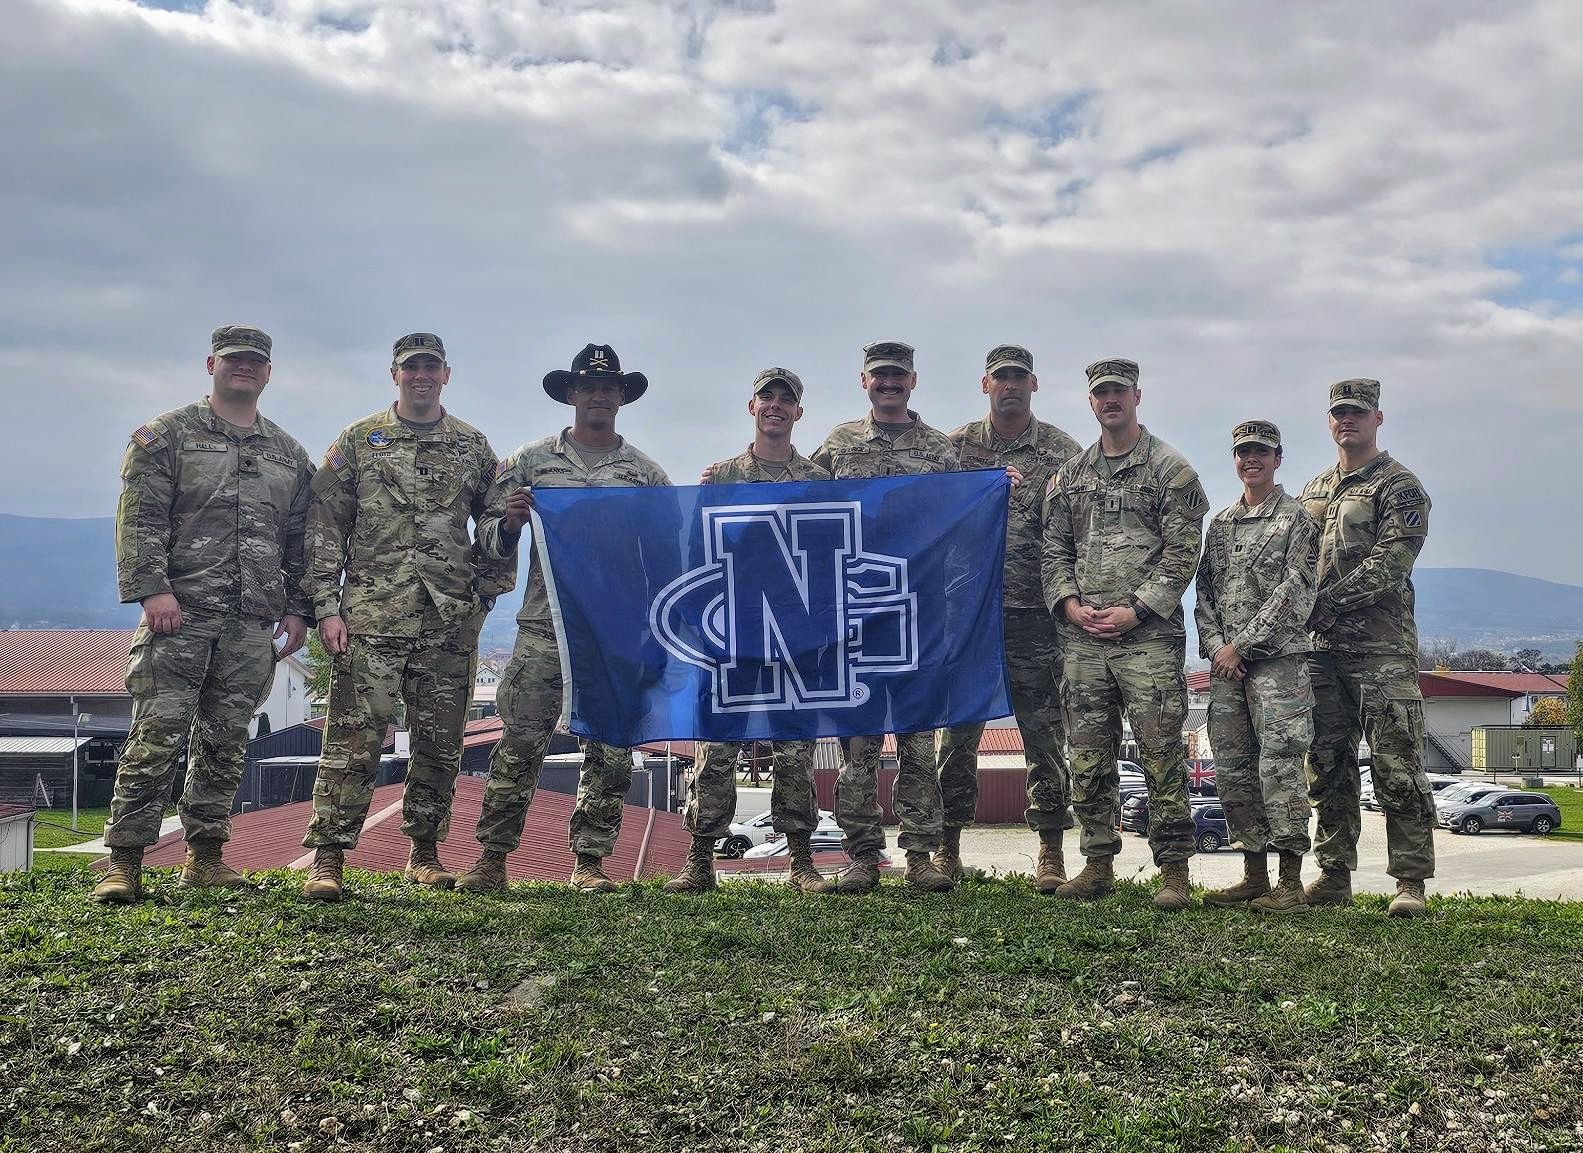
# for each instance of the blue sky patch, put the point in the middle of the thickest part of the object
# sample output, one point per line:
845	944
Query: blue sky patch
1552	279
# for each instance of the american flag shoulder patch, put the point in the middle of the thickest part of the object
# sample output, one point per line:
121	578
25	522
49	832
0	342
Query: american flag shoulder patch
145	436
502	467
333	459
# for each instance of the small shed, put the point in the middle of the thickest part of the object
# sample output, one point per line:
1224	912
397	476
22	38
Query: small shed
1499	748
16	838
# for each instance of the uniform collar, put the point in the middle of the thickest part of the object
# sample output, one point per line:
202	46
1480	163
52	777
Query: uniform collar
1139	451
565	447
222	427
872	431
984	434
394	428
1265	510
1363	472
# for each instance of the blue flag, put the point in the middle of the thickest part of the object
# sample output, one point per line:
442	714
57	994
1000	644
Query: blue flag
777	611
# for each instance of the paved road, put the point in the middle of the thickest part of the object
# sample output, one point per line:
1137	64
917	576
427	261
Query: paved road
1491	863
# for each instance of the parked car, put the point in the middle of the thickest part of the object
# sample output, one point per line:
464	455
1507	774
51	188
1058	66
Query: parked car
1502	809
1209	819
1439	782
1464	792
823	840
745	835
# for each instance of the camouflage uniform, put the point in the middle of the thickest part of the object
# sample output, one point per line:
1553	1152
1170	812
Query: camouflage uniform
215	517
711	781
529	696
1118	532
1255	591
854	450
1033	645
1373	523
391	506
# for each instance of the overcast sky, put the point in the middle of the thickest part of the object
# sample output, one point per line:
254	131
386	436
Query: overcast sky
1252	200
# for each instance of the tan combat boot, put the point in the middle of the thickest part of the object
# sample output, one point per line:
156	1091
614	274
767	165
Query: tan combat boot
924	875
1409	900
1255	883
1287	896
699	874
589	875
1175	889
948	857
1331	887
861	876
324	875
1097	878
1050	874
205	867
803	876
122	883
424	868
488	874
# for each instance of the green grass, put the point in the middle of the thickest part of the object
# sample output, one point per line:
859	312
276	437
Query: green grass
52	827
1570	802
989	1018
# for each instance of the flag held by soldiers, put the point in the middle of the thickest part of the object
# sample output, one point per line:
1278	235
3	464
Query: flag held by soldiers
778	612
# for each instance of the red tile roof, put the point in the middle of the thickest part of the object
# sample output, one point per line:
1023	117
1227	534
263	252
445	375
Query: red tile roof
1507	684
272	838
64	662
1198	681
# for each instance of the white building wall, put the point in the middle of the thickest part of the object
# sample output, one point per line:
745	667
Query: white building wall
287	703
16	844
1453	720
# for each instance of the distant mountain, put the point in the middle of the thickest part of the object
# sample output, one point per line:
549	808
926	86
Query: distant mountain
61	574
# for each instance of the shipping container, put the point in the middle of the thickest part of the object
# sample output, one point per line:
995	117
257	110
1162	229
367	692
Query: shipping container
1513	748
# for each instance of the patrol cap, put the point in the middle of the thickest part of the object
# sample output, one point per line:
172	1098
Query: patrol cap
782	376
1008	356
230	339
887	354
417	344
1256	432
1105	371
1359	392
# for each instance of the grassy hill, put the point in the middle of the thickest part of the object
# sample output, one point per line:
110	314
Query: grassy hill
989	1018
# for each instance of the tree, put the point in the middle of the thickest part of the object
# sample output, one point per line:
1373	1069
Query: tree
1439	653
1480	660
1548	713
1527	660
319	661
1575	694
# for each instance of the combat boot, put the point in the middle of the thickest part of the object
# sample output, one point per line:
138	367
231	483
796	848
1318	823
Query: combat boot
1409	900
923	874
122	883
699	874
424	868
1097	878
589	875
1050	874
861	876
1331	887
803	876
1175	889
205	867
324	875
1255	883
1287	896
948	857
488	874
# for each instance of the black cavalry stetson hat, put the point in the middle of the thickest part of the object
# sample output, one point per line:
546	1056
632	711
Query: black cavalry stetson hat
598	361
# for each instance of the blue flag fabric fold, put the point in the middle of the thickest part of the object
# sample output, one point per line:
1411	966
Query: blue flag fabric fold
777	611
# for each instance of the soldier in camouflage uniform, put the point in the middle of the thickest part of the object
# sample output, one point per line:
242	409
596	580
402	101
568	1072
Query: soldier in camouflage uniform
890	441
1256	588
1121	540
1374	518
390	511
589	454
775	402
209	540
1011	437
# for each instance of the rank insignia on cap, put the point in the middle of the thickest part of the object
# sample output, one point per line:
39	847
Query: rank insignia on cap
599	358
145	436
378	439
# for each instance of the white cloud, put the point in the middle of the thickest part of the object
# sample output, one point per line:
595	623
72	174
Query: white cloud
1251	199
